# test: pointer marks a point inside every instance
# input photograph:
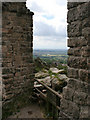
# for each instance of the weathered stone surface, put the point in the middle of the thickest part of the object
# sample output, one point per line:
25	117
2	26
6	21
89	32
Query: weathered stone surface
88	63
77	62
64	105
86	22
75	102
17	46
88	100
0	109
59	82
84	75
17	65
77	41
88	39
70	108
82	10
46	80
53	79
77	85
85	51
80	98
72	73
41	74
84	113
73	4
80	51
55	70
74	51
85	31
68	93
74	29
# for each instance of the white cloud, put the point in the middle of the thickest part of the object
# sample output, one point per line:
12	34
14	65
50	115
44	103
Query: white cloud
53	42
43	29
50	19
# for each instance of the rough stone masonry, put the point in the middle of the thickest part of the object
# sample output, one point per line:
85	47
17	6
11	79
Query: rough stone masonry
76	96
17	54
17	64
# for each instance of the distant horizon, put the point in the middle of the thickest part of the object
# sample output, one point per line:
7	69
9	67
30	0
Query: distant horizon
50	49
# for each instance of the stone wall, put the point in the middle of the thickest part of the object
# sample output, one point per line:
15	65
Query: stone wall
17	54
76	98
0	61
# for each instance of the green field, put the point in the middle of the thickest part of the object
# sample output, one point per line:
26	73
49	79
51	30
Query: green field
52	56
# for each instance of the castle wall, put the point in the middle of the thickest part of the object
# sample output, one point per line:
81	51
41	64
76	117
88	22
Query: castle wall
76	97
0	60
17	54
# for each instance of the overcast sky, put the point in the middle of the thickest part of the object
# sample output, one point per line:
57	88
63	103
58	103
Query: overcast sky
50	23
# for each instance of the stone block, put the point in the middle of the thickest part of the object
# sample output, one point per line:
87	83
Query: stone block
74	29
88	40
85	51
88	100
88	63
72	73
80	98
68	93
73	110
70	108
82	10
73	4
74	51
7	70
70	51
86	22
77	85
8	97
86	31
85	112
84	75
8	81
77	62
64	105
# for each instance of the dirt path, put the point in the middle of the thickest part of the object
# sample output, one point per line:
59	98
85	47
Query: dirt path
32	111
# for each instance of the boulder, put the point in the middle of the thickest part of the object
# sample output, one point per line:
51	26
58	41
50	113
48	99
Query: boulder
63	77
56	70
56	79
41	74
46	80
59	82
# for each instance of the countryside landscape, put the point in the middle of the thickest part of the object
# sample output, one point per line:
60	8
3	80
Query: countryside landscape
54	57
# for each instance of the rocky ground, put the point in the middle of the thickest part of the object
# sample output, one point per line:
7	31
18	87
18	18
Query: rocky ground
32	111
54	78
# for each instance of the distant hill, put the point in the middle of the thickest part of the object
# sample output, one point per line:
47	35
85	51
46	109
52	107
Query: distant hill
40	52
55	58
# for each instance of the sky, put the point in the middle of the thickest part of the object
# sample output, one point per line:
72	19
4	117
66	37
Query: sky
49	23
